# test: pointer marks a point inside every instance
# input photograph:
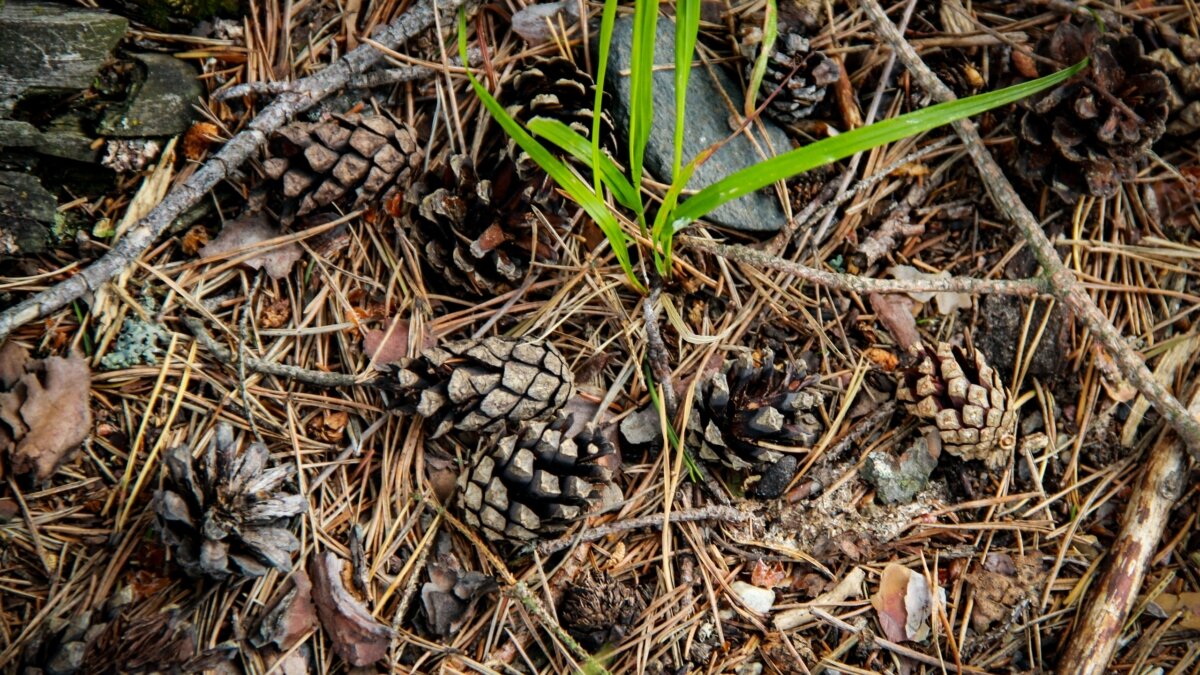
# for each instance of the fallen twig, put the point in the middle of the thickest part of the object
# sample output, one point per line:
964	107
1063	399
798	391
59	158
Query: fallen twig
375	78
196	326
727	514
1062	282
656	352
220	166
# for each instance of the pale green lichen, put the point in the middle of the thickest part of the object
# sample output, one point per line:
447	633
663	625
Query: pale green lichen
139	343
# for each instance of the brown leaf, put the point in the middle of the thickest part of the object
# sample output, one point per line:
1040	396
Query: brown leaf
194	240
768	576
1188	603
895	312
356	636
8	510
395	346
882	358
198	139
275	314
328	425
450	594
903	604
44	412
290	618
240	236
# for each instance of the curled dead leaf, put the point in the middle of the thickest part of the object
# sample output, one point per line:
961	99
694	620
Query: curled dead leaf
275	314
768	576
198	139
385	347
882	358
194	239
44	413
355	635
328	425
903	603
290	618
243	236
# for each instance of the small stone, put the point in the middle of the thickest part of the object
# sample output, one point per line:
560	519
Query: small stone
642	427
707	122
897	481
760	600
28	211
161	105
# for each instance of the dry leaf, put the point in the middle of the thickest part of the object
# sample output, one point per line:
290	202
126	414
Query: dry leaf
894	311
356	636
198	139
328	425
240	236
275	314
903	603
1188	603
847	588
395	346
538	23
768	576
194	240
44	412
290	618
946	302
450	594
882	358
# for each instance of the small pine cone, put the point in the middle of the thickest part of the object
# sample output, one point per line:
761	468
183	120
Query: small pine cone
964	398
799	74
555	88
61	647
599	610
1181	63
346	160
1089	134
224	514
534	482
478	235
480	385
748	407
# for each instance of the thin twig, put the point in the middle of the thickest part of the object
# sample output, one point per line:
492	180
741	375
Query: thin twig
371	80
221	166
725	514
243	336
1063	284
521	592
196	326
1029	288
656	351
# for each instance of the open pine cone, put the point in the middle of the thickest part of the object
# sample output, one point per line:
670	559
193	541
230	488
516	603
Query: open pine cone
1089	134
965	400
480	234
61	646
752	404
534	482
346	160
224	514
599	610
800	75
480	385
553	87
1181	63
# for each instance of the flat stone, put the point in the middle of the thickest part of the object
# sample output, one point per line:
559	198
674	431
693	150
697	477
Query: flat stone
52	48
27	212
707	122
160	104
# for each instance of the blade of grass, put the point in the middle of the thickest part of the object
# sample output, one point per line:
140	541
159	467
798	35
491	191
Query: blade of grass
662	235
770	31
569	182
687	26
672	435
570	142
607	18
838	147
641	83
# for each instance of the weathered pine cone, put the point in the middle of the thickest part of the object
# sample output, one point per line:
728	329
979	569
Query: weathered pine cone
599	610
555	88
1181	63
481	385
1089	134
800	75
348	160
965	400
534	482
750	407
479	235
61	647
224	513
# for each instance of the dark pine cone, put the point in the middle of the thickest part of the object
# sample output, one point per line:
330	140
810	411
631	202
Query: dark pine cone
966	401
1181	62
535	482
598	610
751	405
1090	133
224	514
799	75
554	87
347	160
61	646
480	385
480	234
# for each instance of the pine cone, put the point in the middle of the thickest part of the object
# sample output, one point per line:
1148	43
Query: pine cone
799	74
1090	133
223	514
554	87
61	647
964	398
478	235
1181	63
534	482
598	610
480	385
347	160
748	407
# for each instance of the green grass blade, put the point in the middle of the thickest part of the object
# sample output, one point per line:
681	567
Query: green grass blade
687	26
607	18
832	149
662	235
569	182
641	83
770	31
570	142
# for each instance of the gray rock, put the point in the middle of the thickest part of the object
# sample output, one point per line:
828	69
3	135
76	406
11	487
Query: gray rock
51	48
27	214
707	122
897	481
64	137
160	105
